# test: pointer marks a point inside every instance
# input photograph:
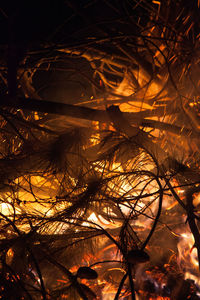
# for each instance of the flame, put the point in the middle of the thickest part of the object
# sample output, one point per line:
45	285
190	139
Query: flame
187	253
9	256
7	209
188	257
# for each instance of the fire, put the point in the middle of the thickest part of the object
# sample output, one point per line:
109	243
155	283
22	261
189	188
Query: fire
160	298
131	209
9	256
188	257
155	298
8	209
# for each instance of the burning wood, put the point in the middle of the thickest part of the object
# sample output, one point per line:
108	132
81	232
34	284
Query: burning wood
99	150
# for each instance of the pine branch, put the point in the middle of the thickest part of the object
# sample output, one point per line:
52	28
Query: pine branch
91	114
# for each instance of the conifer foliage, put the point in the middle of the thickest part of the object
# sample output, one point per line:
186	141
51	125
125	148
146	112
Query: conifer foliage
99	150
